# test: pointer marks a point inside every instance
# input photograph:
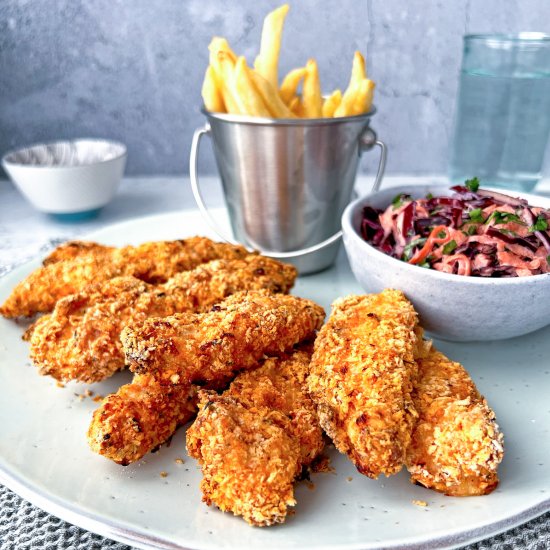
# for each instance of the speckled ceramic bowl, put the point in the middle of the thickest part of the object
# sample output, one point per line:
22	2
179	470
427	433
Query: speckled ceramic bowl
452	307
71	180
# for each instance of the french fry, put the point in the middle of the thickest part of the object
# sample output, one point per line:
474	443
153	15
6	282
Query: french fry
291	81
211	94
363	98
270	96
311	91
331	104
219	44
268	60
249	100
296	106
227	80
358	69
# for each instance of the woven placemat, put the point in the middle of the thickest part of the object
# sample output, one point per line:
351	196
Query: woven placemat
25	527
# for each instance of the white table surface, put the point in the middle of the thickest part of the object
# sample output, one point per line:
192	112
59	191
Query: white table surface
26	233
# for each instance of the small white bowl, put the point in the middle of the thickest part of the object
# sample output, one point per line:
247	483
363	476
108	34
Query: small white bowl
452	307
69	179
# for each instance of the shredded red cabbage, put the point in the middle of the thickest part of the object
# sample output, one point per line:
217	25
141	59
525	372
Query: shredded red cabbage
473	231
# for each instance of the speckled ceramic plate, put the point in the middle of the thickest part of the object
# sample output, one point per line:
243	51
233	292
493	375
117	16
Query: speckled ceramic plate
44	456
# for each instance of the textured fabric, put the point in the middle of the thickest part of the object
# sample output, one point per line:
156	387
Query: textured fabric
25	527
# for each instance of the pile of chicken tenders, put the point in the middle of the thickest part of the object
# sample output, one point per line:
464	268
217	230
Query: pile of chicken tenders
212	335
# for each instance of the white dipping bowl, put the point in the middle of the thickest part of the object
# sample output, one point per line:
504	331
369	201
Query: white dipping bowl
451	307
69	179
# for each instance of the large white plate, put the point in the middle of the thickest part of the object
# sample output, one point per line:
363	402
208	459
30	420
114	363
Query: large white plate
44	456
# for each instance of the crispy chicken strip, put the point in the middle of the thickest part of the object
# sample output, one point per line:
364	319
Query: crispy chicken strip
153	262
80	340
212	347
361	379
77	249
253	441
205	349
139	417
456	445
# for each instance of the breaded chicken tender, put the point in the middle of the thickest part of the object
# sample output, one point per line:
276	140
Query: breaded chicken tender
77	249
361	379
206	349
253	441
212	347
153	262
139	417
456	446
80	339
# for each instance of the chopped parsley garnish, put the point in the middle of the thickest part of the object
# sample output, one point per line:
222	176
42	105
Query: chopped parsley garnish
503	217
476	215
472	185
471	230
540	225
429	196
449	247
408	250
441	235
400	200
426	265
548	259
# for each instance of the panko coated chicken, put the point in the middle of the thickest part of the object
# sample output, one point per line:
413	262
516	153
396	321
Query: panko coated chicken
153	262
254	440
139	417
205	349
80	339
211	347
456	446
361	379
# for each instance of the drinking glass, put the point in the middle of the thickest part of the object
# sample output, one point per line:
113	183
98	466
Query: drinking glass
502	119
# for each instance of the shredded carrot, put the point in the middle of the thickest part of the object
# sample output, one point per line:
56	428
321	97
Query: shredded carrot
432	240
464	263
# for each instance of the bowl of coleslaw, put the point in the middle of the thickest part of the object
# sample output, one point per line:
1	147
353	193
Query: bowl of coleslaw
474	262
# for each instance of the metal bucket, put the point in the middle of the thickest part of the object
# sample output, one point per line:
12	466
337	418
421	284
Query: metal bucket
287	181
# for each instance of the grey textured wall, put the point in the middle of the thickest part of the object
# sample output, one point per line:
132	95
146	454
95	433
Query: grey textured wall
132	69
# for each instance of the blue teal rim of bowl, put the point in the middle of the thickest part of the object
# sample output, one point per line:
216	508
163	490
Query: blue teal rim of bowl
123	153
71	217
348	229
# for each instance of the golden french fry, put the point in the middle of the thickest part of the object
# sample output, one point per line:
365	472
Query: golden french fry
267	61
370	96
295	106
249	101
365	96
211	93
226	78
331	103
219	44
311	91
358	69
290	84
358	74
271	98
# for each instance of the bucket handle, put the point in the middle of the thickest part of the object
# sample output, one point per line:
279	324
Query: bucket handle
367	140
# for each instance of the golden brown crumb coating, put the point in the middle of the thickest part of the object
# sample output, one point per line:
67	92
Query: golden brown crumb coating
187	349
211	347
80	339
139	417
153	262
76	249
456	445
254	440
361	379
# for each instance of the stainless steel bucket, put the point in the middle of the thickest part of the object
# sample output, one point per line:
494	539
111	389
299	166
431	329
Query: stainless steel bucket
287	182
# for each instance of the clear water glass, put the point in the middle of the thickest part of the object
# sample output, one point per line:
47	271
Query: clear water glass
502	119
